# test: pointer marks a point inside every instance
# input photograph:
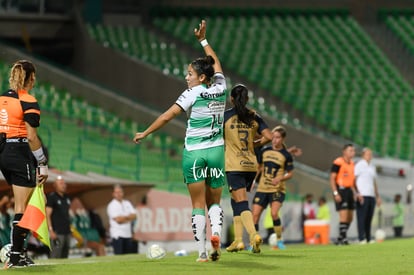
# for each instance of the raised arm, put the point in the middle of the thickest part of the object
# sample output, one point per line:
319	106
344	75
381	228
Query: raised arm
200	34
163	119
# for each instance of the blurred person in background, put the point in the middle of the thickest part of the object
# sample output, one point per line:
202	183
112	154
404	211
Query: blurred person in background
121	214
323	213
5	221
344	190
80	219
366	176
308	211
398	216
57	214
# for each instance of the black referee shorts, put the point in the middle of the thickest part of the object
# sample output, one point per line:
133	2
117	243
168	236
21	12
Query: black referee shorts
348	200
17	164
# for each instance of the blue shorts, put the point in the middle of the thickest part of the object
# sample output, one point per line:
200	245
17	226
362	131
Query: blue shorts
264	199
238	180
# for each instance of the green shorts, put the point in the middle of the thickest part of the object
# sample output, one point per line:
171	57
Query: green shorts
204	164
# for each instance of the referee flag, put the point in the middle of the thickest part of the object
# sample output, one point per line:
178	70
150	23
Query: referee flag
34	218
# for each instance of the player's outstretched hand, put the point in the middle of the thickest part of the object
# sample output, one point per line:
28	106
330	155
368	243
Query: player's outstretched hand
138	137
200	33
295	151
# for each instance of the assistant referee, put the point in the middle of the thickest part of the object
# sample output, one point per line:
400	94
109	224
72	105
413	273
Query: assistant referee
20	150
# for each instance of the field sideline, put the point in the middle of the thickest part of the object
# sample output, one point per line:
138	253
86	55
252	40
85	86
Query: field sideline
389	257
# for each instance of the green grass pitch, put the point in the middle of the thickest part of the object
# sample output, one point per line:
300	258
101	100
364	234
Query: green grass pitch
388	257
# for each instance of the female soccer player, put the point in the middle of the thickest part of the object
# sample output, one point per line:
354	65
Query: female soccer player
275	168
203	154
241	125
20	150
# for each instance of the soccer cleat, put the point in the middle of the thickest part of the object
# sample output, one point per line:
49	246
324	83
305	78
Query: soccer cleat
202	258
363	242
342	242
280	244
235	246
27	260
215	243
21	263
255	242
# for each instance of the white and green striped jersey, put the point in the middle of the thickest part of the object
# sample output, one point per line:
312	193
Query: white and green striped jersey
205	111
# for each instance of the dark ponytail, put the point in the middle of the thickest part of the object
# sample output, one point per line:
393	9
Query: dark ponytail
239	93
204	65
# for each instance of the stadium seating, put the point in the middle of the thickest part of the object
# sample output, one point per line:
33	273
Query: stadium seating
324	65
83	138
321	63
403	26
143	45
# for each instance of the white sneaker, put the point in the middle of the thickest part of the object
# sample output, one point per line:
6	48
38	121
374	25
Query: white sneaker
363	242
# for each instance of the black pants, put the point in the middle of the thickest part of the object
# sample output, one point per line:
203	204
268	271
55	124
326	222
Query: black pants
365	212
124	246
398	231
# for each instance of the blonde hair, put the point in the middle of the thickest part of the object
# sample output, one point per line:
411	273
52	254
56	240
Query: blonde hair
20	74
282	132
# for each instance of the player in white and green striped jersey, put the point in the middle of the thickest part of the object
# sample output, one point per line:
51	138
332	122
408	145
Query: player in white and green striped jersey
203	154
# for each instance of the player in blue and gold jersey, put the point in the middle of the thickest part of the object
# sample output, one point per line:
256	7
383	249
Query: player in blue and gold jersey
275	168
241	125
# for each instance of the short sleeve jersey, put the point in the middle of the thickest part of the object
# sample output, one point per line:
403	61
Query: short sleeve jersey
345	176
239	138
205	111
275	164
16	108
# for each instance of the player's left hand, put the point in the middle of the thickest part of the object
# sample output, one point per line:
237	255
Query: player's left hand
200	33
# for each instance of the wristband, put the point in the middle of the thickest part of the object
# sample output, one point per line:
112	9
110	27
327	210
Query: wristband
42	170
204	42
39	155
335	193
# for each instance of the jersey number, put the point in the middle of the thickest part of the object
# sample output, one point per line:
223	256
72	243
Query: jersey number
244	139
216	120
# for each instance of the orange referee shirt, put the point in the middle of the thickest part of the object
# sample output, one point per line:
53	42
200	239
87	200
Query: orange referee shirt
345	176
15	110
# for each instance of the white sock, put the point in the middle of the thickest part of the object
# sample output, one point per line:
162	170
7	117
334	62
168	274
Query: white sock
198	222
215	214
